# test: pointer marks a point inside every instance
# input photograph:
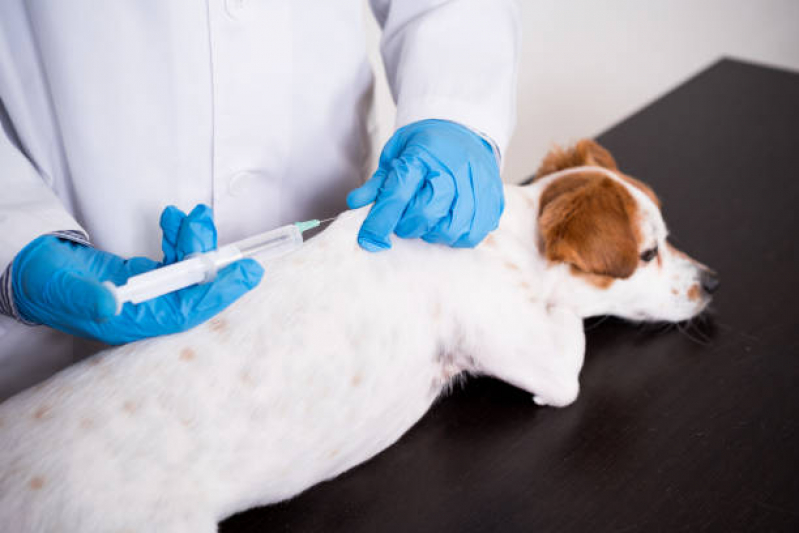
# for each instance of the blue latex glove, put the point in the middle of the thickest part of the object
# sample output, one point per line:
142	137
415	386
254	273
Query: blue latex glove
436	180
58	283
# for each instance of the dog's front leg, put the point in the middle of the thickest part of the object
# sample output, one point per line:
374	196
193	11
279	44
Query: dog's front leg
537	349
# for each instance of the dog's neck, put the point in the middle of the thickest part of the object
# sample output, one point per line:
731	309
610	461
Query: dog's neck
518	234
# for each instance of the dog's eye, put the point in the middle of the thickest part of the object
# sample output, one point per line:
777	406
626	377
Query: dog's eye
649	255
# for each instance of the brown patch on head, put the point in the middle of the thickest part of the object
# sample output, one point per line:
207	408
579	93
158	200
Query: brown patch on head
36	483
585	152
187	354
41	412
218	324
693	292
589	153
588	221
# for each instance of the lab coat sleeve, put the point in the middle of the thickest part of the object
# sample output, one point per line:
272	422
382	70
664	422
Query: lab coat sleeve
453	59
28	208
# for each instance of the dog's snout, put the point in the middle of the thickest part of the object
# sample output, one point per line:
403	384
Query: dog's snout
709	281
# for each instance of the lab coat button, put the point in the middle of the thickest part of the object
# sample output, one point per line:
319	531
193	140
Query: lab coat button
239	182
235	8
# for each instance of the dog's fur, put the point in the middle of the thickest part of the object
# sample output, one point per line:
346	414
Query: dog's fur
334	356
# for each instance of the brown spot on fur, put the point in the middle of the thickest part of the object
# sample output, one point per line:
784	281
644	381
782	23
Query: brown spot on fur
41	412
356	380
490	241
246	378
588	221
36	483
524	285
86	423
675	292
218	324
693	292
511	266
597	280
187	354
130	407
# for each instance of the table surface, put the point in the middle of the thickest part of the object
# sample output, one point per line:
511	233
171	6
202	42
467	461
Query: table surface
694	430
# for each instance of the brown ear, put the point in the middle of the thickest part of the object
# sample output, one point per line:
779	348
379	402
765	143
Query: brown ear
585	152
587	221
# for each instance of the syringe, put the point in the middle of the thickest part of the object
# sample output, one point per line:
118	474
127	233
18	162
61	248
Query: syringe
202	267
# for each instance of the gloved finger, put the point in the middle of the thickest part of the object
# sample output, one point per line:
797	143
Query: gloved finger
457	223
401	185
432	203
366	193
201	302
197	232
171	219
78	296
487	212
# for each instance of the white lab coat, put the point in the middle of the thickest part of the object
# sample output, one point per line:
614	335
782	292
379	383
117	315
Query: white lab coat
260	108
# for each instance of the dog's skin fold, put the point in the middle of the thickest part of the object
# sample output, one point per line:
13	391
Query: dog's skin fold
334	356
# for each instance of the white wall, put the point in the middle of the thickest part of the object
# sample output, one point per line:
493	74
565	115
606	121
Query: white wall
586	64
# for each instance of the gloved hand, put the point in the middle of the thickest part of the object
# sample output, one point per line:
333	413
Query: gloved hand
436	180
58	283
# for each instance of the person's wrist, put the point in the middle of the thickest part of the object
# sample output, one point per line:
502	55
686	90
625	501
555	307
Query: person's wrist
480	137
8	306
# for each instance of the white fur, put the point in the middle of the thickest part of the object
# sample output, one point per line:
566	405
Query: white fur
330	360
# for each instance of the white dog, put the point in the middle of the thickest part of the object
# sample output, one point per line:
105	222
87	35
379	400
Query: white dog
335	355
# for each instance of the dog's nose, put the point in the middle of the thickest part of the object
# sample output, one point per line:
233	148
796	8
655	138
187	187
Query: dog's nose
709	280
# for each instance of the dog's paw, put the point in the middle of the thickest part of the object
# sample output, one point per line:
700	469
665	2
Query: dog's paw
559	396
540	400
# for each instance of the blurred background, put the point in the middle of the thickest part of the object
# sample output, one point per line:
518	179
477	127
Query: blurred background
585	64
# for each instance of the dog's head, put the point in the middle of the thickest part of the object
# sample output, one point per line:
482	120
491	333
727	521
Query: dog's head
607	227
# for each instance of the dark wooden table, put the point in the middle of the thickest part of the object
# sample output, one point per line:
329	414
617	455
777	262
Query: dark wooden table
694	430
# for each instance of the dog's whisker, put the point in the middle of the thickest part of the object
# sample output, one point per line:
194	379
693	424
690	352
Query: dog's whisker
685	332
597	323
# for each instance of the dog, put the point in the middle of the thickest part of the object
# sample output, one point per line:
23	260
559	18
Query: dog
336	354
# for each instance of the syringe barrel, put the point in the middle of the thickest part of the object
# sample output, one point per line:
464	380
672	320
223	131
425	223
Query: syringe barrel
271	244
162	281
